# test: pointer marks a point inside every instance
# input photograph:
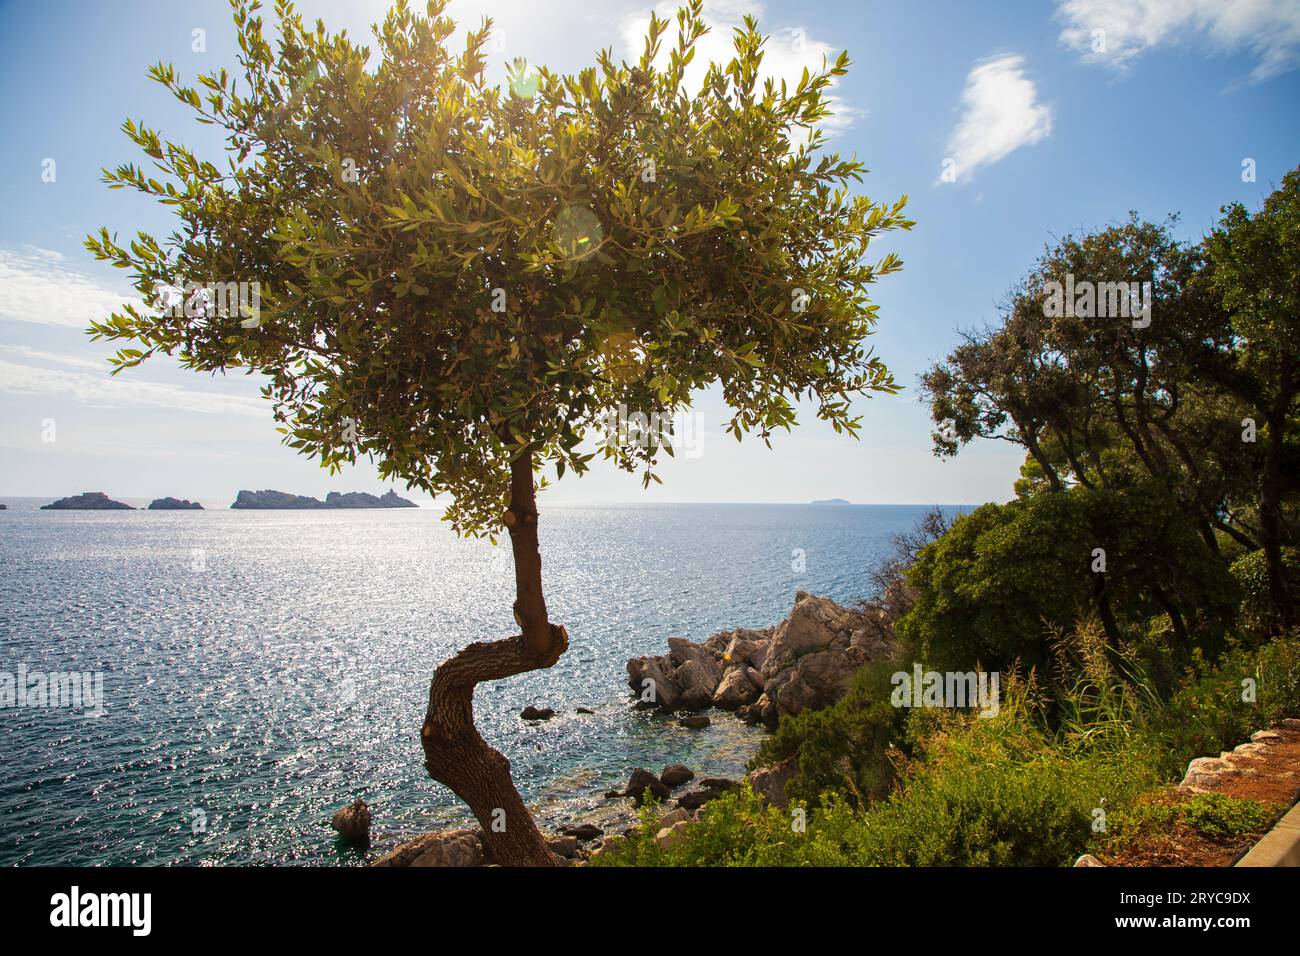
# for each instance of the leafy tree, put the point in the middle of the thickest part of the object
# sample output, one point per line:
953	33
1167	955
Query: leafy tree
1109	401
458	280
993	588
1256	269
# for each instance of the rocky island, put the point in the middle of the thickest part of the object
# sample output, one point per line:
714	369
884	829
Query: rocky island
832	501
359	499
174	504
269	499
87	501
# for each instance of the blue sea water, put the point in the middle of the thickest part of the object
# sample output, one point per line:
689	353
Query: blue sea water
260	669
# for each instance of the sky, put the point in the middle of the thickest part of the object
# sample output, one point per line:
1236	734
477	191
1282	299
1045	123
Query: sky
1005	124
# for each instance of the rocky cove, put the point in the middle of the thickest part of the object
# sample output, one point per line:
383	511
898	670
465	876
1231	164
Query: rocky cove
806	661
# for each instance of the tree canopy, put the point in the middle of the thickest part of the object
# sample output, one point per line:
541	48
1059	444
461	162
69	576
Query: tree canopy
452	273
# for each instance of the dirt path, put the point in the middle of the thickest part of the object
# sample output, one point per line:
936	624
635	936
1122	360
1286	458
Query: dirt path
1267	770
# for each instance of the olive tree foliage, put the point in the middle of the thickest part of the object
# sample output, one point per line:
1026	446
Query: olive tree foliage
455	275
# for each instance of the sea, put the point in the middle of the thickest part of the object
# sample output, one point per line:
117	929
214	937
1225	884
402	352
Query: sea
257	670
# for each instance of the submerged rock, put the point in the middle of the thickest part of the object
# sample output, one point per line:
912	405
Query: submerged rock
641	781
353	822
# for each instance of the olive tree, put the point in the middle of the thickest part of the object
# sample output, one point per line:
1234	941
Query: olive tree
457	280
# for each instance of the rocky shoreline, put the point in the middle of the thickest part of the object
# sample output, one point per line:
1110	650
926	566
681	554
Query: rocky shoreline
807	661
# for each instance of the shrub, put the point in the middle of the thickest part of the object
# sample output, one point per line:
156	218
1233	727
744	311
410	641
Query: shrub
849	748
1250	571
990	590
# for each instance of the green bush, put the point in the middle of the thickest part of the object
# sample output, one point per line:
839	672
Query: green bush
1250	572
848	748
991	590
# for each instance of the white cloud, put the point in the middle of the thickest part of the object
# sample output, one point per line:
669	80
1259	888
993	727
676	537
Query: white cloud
1000	113
785	54
77	361
36	287
105	391
1116	32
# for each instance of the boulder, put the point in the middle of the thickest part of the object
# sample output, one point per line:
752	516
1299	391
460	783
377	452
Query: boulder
565	846
583	831
812	625
643	780
769	782
674	816
454	848
667	836
353	822
1204	772
710	788
736	690
609	846
698	678
649	679
818	680
536	713
675	775
694	721
695	699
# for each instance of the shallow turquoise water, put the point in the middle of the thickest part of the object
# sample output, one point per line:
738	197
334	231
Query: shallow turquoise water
263	668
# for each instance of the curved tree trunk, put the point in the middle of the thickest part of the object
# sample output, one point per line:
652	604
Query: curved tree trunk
454	752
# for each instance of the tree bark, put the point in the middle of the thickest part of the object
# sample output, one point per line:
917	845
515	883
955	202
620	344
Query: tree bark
454	752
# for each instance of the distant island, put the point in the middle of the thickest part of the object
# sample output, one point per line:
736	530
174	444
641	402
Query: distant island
174	504
269	499
832	501
87	501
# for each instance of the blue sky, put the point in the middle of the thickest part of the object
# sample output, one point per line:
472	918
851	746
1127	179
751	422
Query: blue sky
1051	127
